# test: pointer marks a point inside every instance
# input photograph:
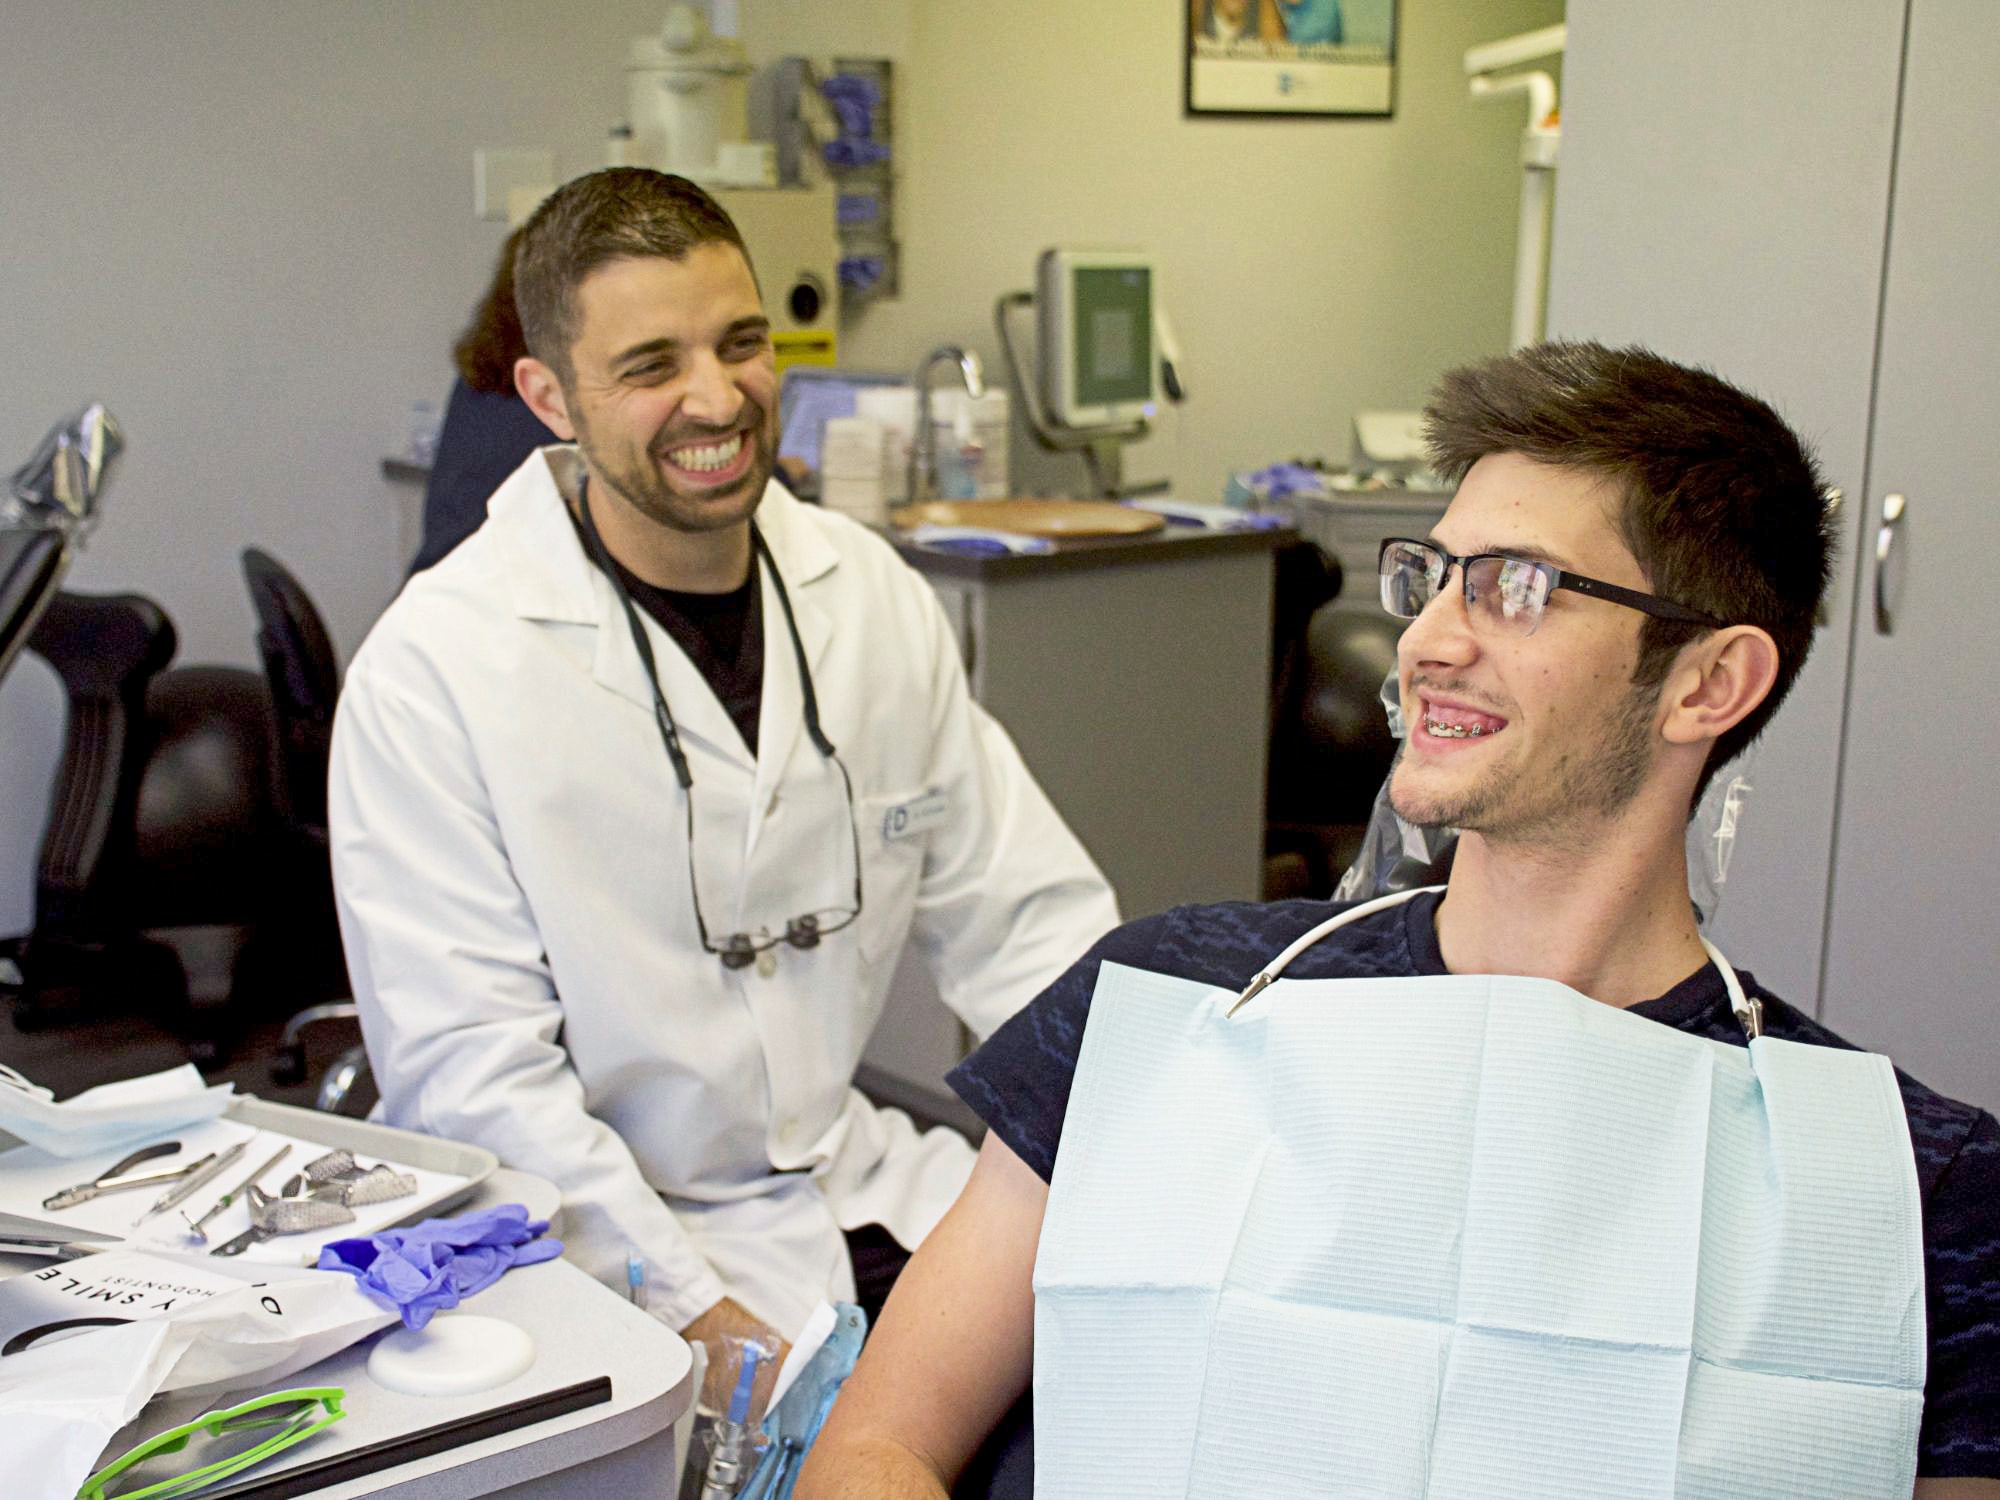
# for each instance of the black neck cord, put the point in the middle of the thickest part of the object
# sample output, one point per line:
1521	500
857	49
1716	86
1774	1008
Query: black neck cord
663	716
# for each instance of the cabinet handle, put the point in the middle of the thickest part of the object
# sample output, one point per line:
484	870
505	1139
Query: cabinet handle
1893	507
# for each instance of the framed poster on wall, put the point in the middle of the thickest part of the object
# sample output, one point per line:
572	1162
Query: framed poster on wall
1291	57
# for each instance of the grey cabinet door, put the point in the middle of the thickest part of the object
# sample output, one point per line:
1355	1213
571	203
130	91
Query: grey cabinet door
1913	956
1723	197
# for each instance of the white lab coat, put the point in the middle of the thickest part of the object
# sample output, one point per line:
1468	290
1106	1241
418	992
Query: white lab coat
510	857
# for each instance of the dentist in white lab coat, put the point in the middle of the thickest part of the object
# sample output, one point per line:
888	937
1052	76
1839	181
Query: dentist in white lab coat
537	951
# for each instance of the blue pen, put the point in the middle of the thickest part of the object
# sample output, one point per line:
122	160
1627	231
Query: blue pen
635	1280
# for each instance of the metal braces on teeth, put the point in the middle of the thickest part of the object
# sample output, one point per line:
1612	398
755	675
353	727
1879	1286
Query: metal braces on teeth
1453	731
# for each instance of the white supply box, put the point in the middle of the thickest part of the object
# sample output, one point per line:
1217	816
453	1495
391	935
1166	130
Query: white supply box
1350	524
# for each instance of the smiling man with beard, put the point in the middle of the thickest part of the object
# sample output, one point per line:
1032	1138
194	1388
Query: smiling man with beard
638	797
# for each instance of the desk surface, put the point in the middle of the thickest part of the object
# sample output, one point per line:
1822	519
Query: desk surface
648	1365
649	1368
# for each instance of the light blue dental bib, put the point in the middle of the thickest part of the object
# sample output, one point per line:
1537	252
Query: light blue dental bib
1471	1236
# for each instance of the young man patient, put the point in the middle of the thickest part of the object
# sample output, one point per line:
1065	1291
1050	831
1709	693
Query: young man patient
1512	1187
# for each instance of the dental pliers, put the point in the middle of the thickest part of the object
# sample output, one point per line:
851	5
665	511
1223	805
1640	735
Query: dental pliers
114	1181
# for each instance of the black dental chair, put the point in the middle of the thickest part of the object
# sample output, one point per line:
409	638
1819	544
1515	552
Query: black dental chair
169	876
155	883
304	676
1330	746
108	651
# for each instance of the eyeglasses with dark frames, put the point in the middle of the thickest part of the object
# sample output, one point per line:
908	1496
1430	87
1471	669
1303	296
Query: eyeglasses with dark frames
1502	593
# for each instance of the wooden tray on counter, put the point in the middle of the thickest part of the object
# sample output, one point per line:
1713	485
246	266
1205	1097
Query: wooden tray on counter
1049	518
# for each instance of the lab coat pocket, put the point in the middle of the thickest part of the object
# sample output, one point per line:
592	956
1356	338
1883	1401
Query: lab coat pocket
895	831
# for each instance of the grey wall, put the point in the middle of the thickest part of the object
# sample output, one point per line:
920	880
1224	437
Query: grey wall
1312	266
247	226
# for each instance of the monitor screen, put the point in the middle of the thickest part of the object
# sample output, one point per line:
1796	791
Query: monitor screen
1113	332
809	395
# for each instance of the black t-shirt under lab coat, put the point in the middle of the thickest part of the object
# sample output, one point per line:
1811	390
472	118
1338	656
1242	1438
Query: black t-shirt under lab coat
722	634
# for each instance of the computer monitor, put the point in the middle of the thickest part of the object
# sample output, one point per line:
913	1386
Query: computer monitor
1099	367
808	395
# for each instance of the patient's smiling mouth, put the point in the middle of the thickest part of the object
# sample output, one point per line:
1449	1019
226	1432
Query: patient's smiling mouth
1445	719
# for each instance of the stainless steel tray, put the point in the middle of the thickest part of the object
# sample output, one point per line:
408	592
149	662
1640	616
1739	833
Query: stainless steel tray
366	1138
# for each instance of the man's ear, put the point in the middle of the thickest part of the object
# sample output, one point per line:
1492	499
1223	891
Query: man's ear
543	393
1717	682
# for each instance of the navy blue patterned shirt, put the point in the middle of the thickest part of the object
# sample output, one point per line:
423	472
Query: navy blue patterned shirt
1019	1084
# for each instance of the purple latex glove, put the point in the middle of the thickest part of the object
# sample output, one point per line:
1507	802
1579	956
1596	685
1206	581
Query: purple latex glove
854	101
855	151
1280	480
435	1265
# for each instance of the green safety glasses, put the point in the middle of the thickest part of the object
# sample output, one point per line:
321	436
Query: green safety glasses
230	1441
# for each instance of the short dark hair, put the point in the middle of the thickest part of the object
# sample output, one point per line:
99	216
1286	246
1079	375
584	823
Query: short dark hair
1722	504
622	213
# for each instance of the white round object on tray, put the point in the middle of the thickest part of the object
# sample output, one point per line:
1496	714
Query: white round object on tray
455	1354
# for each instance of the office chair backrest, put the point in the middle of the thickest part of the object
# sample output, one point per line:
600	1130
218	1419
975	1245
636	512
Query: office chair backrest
107	649
304	675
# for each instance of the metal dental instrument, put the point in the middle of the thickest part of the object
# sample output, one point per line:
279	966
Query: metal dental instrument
272	1216
199	1176
381	1183
337	1165
110	1181
199	1227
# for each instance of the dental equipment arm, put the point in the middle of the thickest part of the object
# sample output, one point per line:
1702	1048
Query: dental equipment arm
1540	142
1171	362
59	485
47	510
953	1352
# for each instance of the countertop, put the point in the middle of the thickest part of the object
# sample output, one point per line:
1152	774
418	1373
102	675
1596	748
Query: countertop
1170	543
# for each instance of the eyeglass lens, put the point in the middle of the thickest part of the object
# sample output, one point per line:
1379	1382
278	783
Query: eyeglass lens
1507	593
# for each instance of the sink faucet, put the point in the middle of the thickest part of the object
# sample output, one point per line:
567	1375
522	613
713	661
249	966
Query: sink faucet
923	443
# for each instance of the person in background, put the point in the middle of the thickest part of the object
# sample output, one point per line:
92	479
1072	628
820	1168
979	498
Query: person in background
1232	20
1311	22
488	429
